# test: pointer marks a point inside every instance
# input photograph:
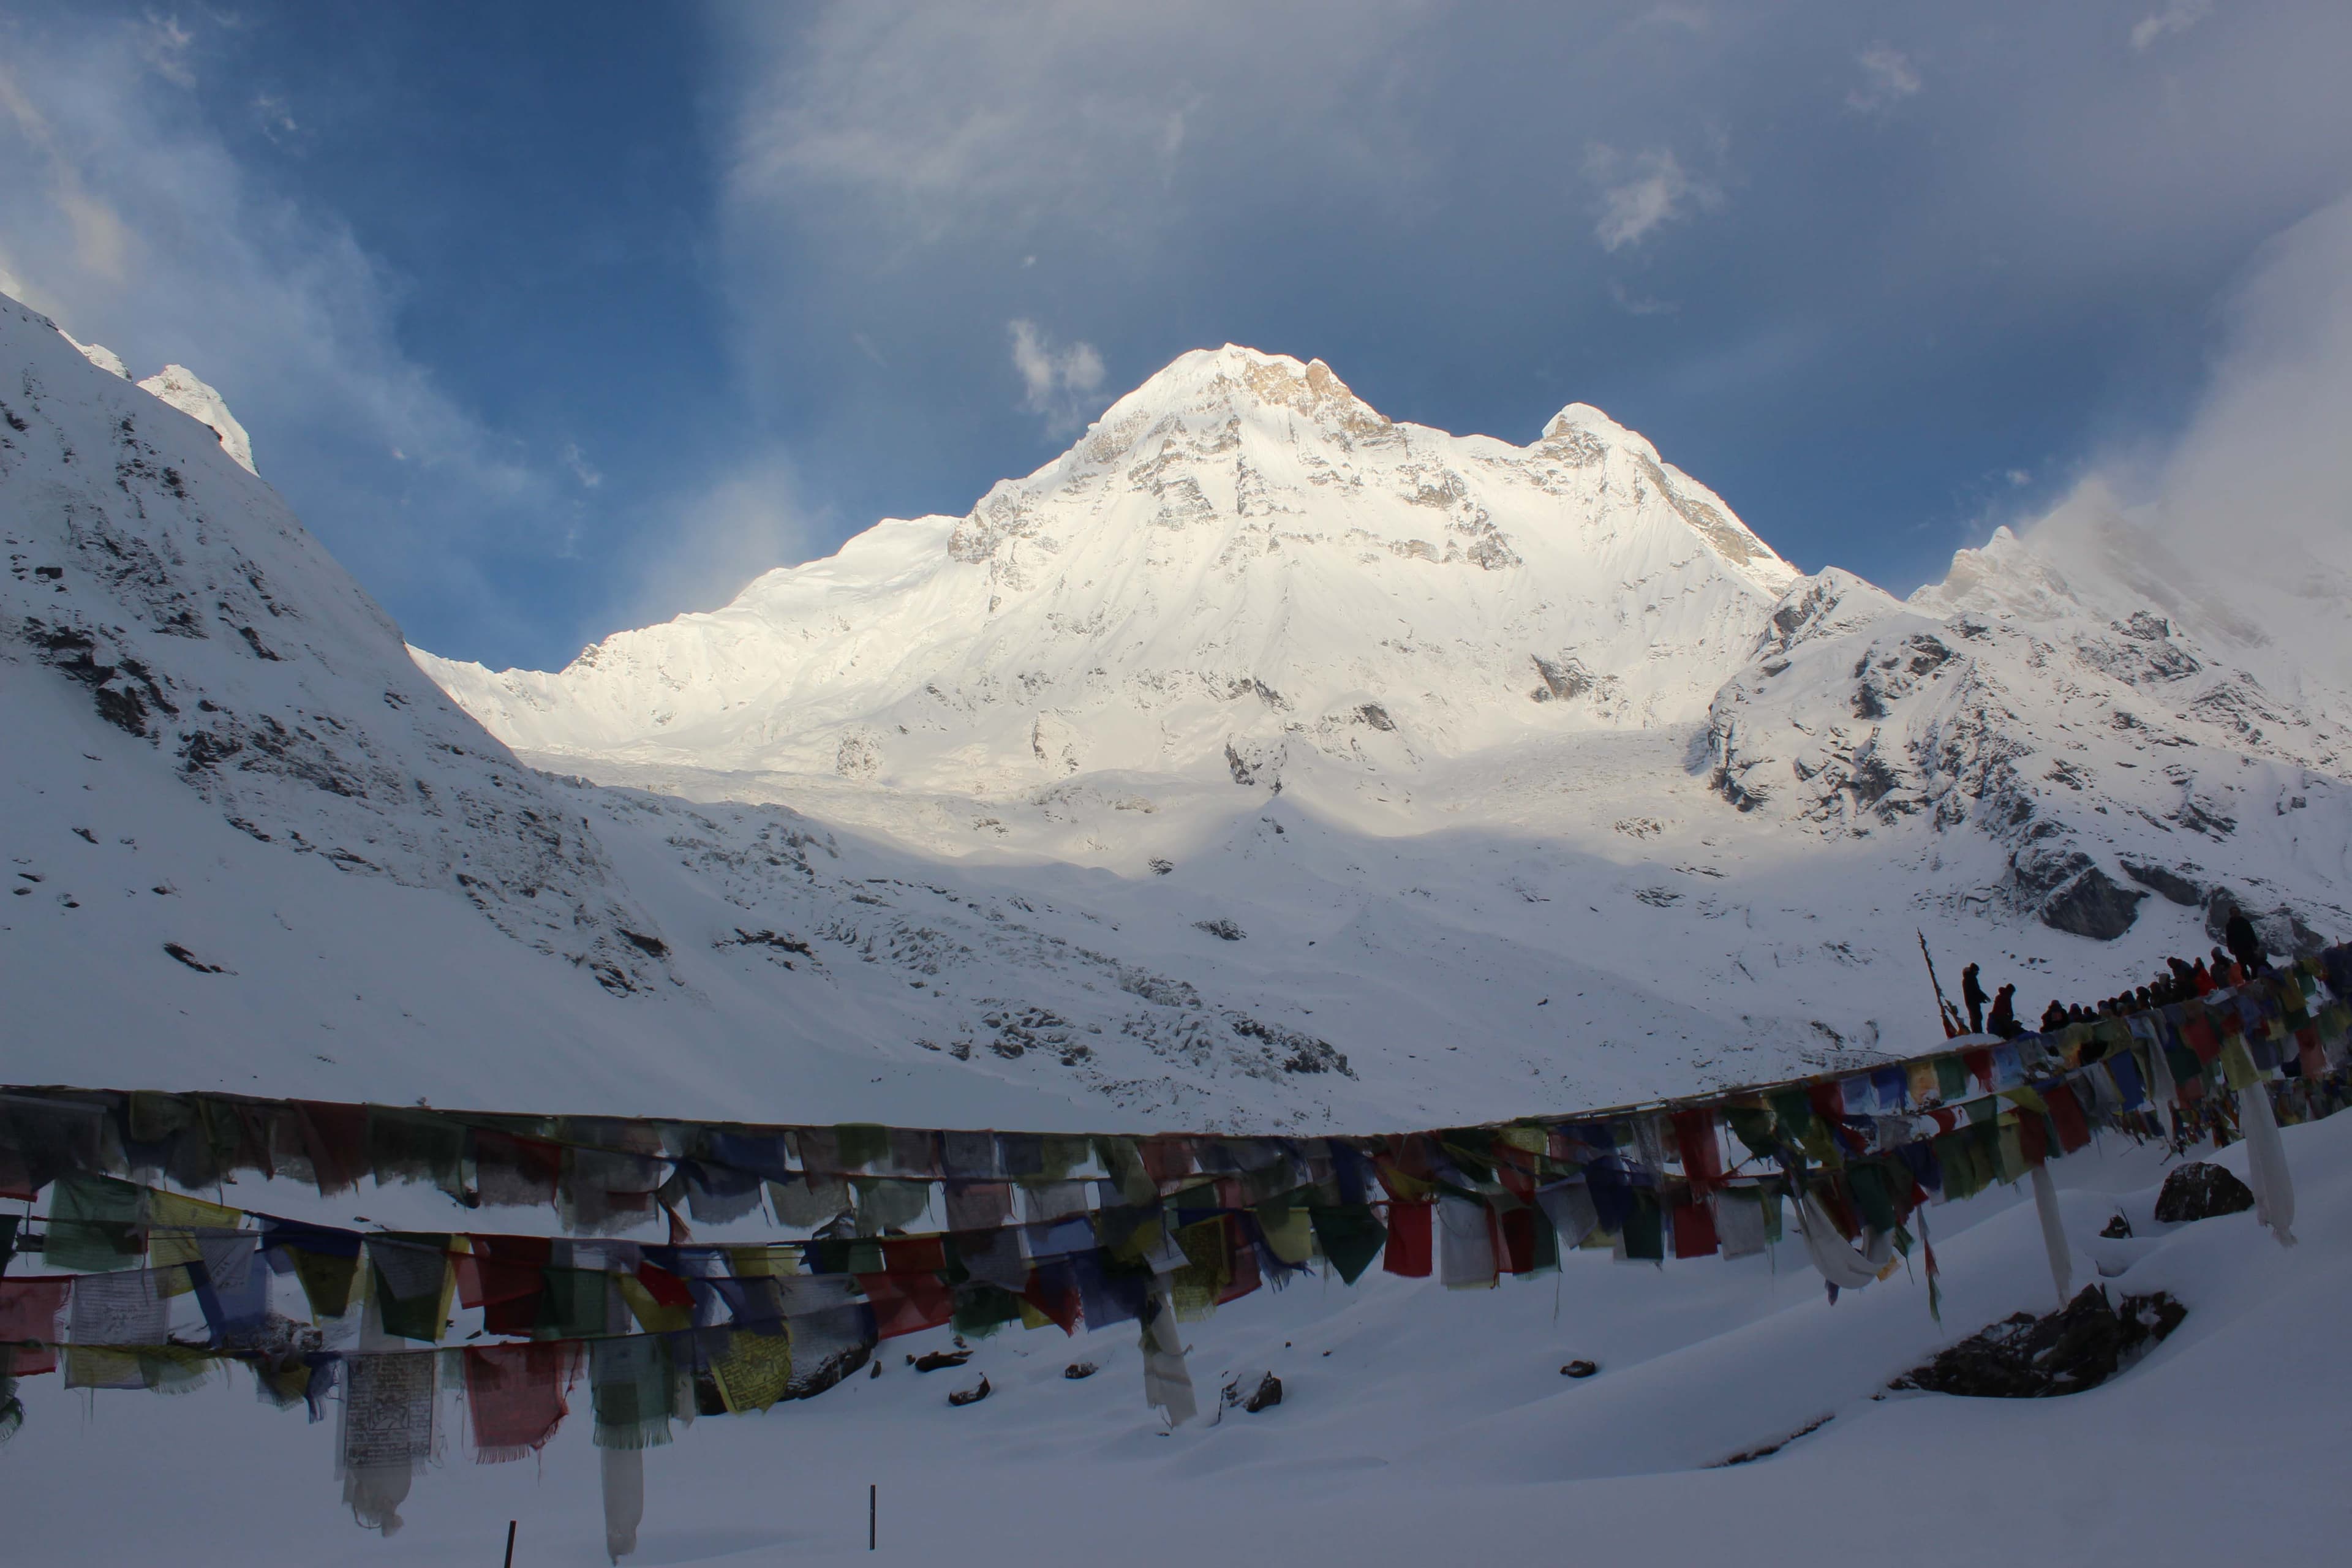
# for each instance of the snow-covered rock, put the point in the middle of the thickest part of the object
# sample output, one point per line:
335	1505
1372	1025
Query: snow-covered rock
1260	763
178	385
1241	566
2043	703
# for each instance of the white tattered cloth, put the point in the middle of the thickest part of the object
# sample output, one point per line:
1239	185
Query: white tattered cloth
1837	1262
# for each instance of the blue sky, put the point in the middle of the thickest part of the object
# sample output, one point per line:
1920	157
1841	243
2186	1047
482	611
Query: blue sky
553	320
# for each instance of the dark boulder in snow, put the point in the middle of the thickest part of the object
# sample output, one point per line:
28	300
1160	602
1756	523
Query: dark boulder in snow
2026	1357
2077	897
2200	1191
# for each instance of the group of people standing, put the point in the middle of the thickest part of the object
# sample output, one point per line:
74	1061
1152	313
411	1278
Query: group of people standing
2179	980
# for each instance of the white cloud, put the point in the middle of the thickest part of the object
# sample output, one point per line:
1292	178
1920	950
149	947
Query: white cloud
710	544
934	117
132	224
1641	192
164	47
2248	513
1888	77
1059	383
2177	17
587	473
1634	304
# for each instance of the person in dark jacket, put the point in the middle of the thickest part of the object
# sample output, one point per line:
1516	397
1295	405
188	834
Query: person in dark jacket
2053	1017
1972	992
2245	945
2003	1021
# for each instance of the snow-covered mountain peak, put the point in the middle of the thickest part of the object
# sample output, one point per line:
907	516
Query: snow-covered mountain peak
1240	567
1239	379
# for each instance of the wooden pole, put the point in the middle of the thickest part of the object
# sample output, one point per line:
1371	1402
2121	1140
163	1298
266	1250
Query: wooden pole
511	1527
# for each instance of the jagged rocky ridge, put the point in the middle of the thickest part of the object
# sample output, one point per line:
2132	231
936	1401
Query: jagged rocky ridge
2113	753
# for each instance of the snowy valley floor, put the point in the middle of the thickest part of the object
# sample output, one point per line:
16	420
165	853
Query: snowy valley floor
1417	1425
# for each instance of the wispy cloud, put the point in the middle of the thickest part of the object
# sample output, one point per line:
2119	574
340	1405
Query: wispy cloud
1888	77
711	543
1059	383
2177	17
133	223
2247	508
1641	192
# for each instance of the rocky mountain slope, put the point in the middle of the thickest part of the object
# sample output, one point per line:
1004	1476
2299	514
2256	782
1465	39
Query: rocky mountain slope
2037	700
1260	763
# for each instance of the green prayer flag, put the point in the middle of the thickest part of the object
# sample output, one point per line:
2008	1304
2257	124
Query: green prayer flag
861	1143
93	1225
1951	1079
1867	1183
326	1278
412	1284
1351	1235
632	1388
1646	1231
1755	1126
981	1309
573	1305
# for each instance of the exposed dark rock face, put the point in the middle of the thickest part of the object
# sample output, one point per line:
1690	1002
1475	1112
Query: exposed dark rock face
2200	1191
2172	884
2072	893
2093	906
2026	1357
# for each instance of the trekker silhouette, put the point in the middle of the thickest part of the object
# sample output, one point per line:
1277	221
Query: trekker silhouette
2245	944
2003	1021
1972	992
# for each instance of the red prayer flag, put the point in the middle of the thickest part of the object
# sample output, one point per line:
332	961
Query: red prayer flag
914	1255
1409	1250
1056	1294
2067	1117
1979	1061
1241	1258
30	1310
2033	1135
1515	1239
1702	1151
335	1137
1694	1228
2197	1030
907	1303
666	1288
516	1395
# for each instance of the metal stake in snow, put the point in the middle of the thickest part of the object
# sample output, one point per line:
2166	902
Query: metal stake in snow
511	1527
870	1486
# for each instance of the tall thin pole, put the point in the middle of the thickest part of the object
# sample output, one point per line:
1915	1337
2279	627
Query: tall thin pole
510	1524
1943	1008
869	1515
